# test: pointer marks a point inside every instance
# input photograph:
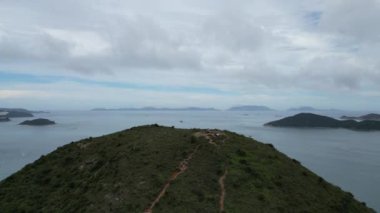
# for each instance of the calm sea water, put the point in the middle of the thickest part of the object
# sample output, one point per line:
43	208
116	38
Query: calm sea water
349	159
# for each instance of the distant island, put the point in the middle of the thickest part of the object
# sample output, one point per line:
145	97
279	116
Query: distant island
39	112
163	169
38	122
369	117
303	108
156	109
16	112
309	109
250	108
235	108
313	120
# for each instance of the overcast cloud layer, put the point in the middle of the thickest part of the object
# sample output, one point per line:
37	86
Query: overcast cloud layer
178	53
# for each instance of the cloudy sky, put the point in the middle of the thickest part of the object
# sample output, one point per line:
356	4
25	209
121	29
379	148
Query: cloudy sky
107	53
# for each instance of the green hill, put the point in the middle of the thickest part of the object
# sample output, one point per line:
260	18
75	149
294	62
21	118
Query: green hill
306	120
313	120
162	169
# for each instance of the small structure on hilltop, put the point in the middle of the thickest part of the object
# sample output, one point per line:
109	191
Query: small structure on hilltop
213	136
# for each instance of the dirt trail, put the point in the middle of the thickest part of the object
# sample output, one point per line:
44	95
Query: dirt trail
212	136
216	138
222	191
182	167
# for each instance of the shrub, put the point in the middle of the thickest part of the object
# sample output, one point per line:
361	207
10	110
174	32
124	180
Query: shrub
241	153
321	180
278	183
193	139
244	162
261	197
249	170
296	161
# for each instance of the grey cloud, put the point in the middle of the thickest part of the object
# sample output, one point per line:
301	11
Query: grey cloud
38	46
333	73
235	45
234	31
141	42
136	42
352	18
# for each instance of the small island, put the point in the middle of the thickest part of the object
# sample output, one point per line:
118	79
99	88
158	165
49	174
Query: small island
38	122
310	120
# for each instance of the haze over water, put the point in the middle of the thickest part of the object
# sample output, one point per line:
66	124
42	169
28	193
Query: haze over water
349	159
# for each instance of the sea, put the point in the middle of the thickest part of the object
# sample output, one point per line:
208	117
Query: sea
346	158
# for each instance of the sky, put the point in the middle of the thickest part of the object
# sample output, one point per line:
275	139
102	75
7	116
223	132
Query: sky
176	53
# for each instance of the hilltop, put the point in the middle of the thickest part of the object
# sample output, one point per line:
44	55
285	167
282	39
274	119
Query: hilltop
314	120
163	169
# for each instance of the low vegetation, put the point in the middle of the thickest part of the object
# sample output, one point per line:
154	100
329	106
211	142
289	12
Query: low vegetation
201	170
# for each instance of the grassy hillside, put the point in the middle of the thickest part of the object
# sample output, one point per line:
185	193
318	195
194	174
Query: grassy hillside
162	169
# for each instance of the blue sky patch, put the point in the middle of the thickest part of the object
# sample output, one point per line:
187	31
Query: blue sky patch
11	78
313	17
